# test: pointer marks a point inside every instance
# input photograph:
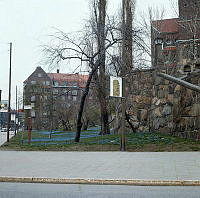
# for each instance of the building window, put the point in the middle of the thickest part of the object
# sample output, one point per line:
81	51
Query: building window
187	68
39	75
33	82
64	83
55	83
74	84
47	82
69	97
65	91
197	66
74	98
32	98
33	113
55	91
74	92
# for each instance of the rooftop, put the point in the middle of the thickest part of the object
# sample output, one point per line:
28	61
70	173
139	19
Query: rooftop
69	78
166	25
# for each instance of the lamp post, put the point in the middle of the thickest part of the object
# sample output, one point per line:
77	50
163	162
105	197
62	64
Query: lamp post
117	89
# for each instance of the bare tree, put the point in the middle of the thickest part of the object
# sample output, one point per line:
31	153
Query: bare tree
69	47
101	38
190	33
99	7
144	48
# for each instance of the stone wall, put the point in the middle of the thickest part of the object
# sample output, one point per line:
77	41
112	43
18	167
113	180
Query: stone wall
158	105
140	98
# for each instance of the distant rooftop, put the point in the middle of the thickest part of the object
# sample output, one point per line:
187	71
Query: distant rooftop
70	78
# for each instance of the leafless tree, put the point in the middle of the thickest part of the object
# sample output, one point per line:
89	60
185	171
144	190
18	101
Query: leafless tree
192	31
80	47
143	45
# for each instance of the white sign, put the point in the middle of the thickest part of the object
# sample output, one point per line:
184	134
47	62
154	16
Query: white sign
27	107
115	86
12	117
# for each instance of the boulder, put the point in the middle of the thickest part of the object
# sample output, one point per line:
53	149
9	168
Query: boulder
167	110
157	112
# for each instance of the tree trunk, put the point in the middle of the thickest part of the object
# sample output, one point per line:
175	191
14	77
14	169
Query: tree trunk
102	57
105	129
180	82
85	125
85	93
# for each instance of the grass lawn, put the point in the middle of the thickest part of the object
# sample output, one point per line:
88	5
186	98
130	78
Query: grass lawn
91	141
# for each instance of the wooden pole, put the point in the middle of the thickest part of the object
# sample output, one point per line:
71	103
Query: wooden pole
16	114
29	129
123	137
9	95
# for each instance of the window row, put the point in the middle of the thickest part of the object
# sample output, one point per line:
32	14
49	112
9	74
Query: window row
74	98
34	82
66	92
64	83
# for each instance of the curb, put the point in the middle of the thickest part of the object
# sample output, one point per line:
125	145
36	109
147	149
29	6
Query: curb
101	181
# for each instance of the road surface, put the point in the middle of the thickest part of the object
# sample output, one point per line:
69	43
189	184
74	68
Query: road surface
17	190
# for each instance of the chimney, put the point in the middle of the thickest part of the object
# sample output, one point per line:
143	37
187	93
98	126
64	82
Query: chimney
57	71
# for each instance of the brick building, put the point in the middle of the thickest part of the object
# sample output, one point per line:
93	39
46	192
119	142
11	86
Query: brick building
159	105
48	93
176	41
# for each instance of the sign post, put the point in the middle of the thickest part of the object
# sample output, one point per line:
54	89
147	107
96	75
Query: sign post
29	107
116	90
115	86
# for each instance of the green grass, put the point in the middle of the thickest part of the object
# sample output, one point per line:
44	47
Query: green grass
141	142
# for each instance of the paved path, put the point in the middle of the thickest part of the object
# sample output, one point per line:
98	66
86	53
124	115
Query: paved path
102	165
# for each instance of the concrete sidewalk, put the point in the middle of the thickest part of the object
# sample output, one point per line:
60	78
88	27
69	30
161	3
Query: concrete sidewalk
101	166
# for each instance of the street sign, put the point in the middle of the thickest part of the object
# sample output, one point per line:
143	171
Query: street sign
115	86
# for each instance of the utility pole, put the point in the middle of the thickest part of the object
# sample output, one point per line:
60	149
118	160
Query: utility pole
123	128
16	114
9	95
0	97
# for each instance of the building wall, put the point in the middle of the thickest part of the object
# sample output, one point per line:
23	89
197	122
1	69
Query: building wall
180	40
50	97
161	106
140	98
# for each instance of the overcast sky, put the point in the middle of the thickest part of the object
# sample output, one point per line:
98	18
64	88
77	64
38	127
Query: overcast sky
27	24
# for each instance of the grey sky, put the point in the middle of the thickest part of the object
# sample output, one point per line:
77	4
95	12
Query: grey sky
27	24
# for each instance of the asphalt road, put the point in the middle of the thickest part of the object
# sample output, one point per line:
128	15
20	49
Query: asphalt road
17	190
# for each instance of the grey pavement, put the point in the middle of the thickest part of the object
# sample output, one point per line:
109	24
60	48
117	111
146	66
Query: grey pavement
102	165
17	190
